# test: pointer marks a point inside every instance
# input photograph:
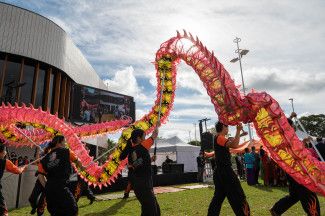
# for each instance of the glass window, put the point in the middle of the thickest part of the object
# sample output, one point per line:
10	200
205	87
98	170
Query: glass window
40	87
2	62
49	103
11	82
27	88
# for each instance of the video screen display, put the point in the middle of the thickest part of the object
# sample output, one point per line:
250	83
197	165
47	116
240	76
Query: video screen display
90	105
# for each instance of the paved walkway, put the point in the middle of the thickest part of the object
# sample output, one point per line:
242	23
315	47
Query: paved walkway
157	190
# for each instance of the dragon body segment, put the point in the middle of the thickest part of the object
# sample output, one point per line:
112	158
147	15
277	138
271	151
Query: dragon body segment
232	108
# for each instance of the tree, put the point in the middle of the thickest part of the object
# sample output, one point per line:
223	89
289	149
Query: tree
196	143
110	143
101	151
314	124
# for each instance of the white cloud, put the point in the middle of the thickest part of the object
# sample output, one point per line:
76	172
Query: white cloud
120	39
307	88
124	82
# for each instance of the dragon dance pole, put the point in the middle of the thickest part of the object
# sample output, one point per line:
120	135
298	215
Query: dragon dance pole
30	140
37	146
312	142
159	111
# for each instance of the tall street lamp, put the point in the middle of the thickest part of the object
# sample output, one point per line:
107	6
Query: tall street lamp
241	53
291	99
195	131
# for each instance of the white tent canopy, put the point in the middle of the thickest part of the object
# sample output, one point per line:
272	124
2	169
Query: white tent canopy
177	150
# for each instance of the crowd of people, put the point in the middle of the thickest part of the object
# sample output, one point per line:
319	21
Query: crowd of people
252	165
19	160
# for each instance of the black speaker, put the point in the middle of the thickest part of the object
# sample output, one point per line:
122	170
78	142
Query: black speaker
154	169
207	141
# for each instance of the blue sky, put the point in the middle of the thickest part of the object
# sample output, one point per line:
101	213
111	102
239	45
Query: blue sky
120	38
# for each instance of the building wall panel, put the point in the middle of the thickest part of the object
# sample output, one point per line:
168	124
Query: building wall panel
28	34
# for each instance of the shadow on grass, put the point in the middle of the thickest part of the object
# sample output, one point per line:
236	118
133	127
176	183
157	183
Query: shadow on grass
262	187
84	205
112	210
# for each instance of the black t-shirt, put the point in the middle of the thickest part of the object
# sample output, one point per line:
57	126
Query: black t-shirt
221	152
57	165
2	168
140	161
200	161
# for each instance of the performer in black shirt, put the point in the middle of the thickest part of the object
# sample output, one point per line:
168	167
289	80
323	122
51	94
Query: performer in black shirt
56	166
225	180
140	174
297	192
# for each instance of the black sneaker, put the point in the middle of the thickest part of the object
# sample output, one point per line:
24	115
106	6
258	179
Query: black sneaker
273	213
126	195
92	199
33	211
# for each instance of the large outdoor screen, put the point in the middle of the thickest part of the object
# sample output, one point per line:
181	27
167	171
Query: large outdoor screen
91	105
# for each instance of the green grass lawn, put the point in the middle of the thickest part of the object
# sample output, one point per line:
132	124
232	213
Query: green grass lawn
189	202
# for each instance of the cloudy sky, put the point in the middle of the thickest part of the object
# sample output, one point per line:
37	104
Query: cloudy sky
119	38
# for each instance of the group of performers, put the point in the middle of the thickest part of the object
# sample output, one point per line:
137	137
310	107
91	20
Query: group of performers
54	187
55	167
228	185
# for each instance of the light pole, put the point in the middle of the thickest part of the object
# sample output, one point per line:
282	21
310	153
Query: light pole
291	99
189	135
195	131
241	52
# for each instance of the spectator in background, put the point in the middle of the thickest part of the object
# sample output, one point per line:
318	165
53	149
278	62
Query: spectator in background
243	165
168	161
99	113
200	166
275	173
116	113
26	161
265	166
321	147
249	163
21	161
256	165
239	165
13	158
6	165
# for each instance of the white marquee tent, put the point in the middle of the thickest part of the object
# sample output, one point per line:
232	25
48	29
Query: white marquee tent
178	151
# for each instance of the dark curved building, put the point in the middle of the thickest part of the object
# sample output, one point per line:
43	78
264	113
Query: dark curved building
40	65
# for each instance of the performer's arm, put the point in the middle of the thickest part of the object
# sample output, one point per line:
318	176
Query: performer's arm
149	142
10	167
233	143
74	159
209	154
